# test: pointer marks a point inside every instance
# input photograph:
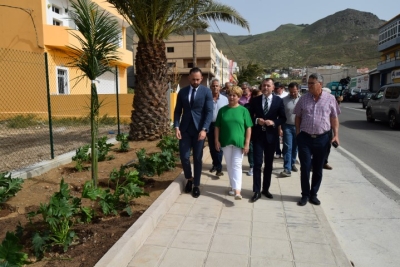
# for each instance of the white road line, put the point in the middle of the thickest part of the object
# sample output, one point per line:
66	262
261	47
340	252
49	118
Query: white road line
376	174
358	109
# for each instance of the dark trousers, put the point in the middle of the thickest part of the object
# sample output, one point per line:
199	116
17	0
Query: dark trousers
190	141
262	149
315	149
215	155
328	151
278	150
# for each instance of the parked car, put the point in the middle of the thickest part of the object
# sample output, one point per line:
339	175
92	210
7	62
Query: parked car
385	105
366	99
359	96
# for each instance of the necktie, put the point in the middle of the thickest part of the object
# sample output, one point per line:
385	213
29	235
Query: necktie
266	106
192	97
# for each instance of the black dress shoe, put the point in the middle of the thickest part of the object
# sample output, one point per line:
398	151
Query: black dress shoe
256	197
219	173
213	169
315	201
267	194
188	187
302	201
196	192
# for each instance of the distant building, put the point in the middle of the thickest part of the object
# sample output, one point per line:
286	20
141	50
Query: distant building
389	47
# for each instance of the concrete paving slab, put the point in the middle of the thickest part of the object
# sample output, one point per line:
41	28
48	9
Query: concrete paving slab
200	224
234	244
270	230
264	262
148	256
236	213
192	240
226	260
233	227
313	253
176	257
276	249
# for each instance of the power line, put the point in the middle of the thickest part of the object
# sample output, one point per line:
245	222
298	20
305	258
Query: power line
233	54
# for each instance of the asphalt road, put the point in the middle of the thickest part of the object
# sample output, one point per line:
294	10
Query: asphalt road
375	143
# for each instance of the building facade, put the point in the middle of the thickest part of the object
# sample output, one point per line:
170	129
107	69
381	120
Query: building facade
389	47
43	26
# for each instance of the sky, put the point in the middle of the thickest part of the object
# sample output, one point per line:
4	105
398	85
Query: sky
265	15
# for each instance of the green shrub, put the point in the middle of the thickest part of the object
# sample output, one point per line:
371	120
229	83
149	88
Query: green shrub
11	251
9	186
124	142
103	149
81	156
169	142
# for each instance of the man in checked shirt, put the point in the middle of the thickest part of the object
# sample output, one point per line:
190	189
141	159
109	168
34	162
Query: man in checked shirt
316	113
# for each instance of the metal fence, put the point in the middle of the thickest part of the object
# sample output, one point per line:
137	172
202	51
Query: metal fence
39	119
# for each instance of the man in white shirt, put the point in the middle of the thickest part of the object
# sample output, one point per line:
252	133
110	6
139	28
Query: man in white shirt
219	101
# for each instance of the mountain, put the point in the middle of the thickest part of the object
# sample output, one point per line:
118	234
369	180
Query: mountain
348	37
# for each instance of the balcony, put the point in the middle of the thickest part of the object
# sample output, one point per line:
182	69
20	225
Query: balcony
388	44
389	64
59	37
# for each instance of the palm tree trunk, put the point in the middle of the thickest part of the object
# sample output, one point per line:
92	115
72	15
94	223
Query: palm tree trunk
94	115
194	48
151	115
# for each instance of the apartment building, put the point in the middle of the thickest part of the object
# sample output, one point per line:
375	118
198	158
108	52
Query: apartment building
389	47
39	26
179	52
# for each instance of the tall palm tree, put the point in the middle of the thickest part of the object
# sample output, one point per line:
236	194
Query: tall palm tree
204	12
153	21
98	35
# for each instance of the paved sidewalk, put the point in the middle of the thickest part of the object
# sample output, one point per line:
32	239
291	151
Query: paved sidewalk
216	230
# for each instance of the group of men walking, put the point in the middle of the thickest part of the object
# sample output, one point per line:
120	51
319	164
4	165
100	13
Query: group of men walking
306	123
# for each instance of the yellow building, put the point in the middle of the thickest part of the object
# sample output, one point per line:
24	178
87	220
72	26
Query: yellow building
43	26
389	47
179	51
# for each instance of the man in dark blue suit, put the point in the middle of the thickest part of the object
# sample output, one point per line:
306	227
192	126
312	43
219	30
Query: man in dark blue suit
267	112
192	118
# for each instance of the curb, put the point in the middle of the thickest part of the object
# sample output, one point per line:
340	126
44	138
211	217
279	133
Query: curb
122	252
340	257
45	166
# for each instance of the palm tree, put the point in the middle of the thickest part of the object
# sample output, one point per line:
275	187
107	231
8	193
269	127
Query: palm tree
204	11
153	21
98	35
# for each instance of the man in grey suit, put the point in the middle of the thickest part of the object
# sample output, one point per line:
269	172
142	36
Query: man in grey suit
192	117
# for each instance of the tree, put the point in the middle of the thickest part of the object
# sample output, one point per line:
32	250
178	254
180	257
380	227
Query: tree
153	21
98	38
207	10
250	73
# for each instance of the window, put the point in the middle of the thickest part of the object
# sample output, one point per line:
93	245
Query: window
387	57
396	92
190	65
55	9
62	81
170	49
171	64
57	22
397	54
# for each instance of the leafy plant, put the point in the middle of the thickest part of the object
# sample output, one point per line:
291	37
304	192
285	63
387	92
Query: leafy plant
145	165
164	161
103	148
9	186
11	251
81	155
169	142
126	186
59	215
124	142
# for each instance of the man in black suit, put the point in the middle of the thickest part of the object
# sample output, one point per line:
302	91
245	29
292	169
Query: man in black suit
268	113
192	117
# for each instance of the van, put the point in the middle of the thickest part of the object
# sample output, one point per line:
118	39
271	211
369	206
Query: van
384	105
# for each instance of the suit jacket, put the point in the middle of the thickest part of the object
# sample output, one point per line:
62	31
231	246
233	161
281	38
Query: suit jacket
201	112
275	113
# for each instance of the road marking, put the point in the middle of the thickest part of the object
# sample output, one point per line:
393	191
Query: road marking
376	174
358	109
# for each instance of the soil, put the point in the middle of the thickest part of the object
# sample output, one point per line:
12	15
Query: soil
96	238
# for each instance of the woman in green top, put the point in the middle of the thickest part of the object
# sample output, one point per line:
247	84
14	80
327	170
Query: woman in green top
232	135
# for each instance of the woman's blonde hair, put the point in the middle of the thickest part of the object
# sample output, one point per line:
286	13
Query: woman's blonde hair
235	90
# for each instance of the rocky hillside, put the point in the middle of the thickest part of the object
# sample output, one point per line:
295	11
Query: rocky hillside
347	37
